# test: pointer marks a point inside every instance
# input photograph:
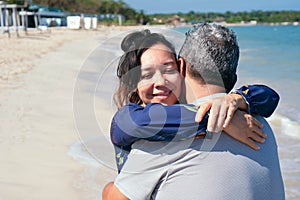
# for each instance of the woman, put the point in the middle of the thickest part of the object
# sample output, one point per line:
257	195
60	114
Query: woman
150	80
129	69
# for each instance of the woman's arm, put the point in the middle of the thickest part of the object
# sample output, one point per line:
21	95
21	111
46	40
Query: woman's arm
155	122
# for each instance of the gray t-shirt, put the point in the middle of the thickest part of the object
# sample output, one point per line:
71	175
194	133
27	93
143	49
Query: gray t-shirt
216	168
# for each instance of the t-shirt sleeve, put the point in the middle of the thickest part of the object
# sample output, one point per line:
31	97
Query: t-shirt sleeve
142	171
137	185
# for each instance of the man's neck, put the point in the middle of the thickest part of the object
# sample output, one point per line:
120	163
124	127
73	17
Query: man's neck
196	90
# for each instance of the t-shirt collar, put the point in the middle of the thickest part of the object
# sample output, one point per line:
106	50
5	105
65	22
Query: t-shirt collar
203	99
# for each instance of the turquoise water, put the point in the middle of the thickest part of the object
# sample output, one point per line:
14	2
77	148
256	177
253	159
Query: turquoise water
271	54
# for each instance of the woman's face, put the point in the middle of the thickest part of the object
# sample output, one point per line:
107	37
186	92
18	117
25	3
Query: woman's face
160	80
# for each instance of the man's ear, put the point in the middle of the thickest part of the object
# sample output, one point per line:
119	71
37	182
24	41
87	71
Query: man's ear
182	67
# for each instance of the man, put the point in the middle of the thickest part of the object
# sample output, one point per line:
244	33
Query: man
213	168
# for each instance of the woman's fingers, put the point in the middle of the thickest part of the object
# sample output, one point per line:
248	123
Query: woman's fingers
203	109
221	112
255	126
257	131
255	134
252	144
257	123
230	113
221	116
246	129
216	118
233	106
257	138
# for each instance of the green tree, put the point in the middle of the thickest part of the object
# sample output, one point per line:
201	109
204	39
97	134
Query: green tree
18	2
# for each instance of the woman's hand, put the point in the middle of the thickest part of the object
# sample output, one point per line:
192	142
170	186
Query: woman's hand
246	129
221	111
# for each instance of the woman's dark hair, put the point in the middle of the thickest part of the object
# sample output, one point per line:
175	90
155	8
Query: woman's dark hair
128	71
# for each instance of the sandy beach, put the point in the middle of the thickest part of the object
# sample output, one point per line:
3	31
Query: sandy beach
37	76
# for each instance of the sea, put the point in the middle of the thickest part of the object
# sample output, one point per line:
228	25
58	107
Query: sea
269	55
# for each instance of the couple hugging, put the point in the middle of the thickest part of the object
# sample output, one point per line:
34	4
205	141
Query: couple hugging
181	131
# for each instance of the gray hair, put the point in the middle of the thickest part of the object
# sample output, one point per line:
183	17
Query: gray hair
211	53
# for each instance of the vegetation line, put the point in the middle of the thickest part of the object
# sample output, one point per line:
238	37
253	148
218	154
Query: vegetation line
134	17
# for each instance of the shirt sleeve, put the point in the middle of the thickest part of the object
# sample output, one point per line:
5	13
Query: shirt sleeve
155	122
261	99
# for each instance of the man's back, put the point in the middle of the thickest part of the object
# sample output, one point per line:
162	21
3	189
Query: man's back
218	169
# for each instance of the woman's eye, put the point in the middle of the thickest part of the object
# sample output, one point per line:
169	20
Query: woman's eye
170	71
146	76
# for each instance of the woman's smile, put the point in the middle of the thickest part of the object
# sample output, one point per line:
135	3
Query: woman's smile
162	95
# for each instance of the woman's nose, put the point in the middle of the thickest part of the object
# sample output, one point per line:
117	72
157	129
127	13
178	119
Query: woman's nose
159	79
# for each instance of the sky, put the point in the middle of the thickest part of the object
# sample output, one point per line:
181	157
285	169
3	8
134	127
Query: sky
184	6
